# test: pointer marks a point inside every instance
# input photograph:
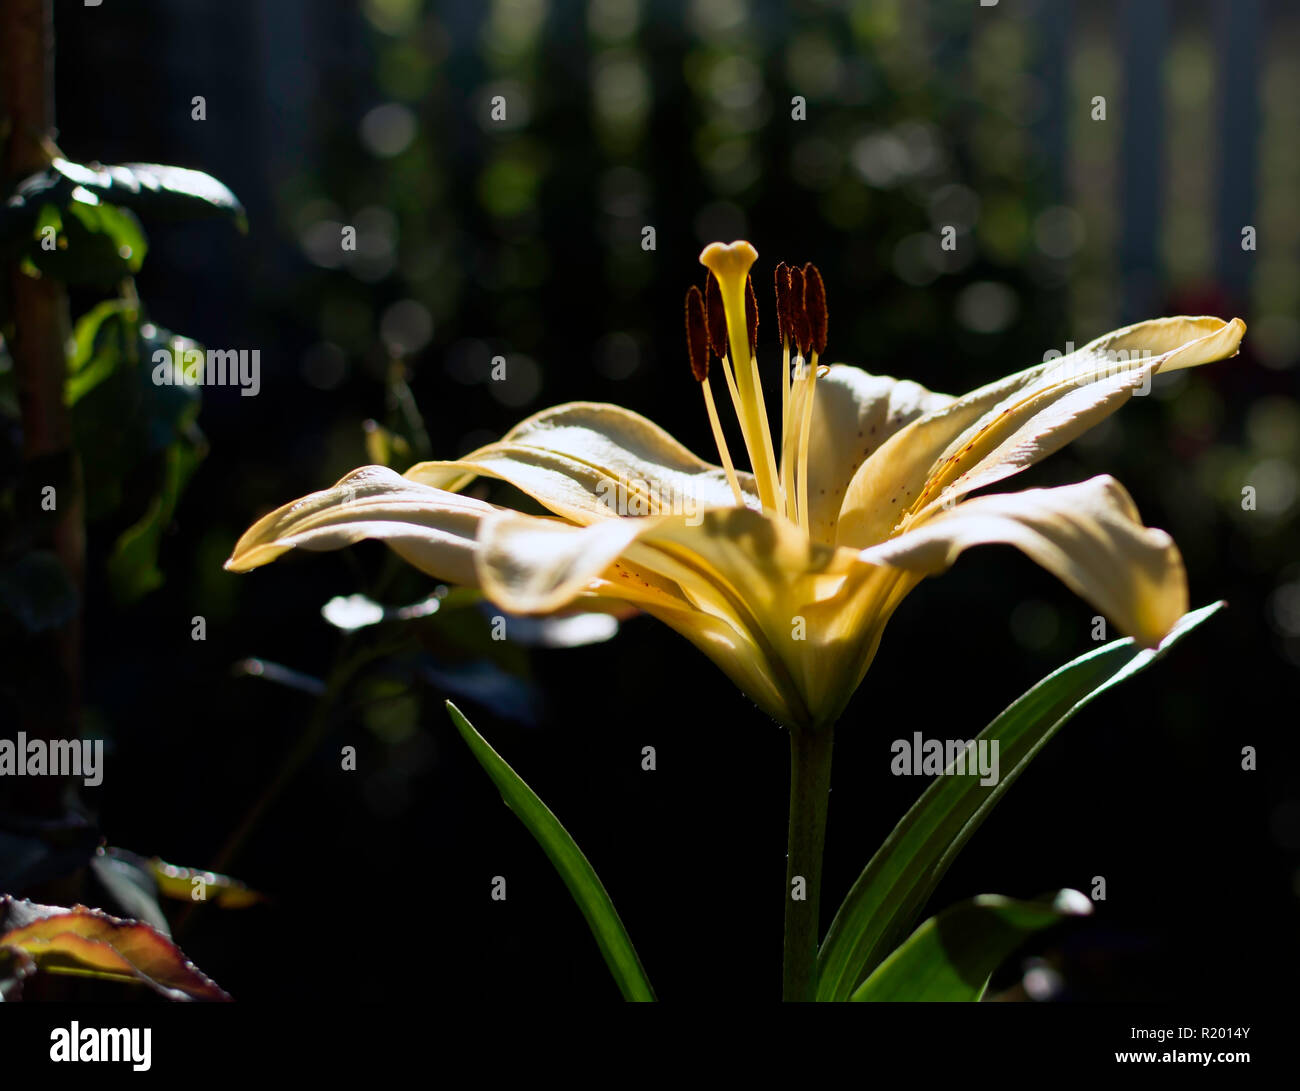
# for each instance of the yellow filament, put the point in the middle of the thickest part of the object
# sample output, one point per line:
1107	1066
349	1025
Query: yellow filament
805	430
769	450
785	401
738	403
731	384
790	438
721	441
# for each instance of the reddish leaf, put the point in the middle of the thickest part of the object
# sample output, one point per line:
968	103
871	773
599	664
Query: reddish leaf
89	941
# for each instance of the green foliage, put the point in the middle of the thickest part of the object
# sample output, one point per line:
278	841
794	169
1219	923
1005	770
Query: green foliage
951	956
77	224
902	875
573	867
126	424
153	190
86	242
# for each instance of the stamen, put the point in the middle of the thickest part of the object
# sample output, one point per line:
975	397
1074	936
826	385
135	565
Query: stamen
716	321
790	443
697	335
805	432
751	316
716	317
814	305
814	318
782	277
697	340
800	332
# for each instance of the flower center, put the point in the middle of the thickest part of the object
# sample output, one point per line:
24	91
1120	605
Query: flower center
724	319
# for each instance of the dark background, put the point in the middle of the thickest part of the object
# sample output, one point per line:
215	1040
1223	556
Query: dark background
524	239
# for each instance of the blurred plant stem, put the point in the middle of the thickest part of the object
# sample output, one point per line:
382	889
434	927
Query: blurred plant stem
345	669
50	670
402	402
810	786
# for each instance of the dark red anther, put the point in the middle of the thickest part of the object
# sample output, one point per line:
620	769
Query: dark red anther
715	317
782	277
697	334
751	315
800	332
814	305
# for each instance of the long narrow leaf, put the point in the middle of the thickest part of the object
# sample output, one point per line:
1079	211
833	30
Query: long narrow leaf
574	868
898	881
951	956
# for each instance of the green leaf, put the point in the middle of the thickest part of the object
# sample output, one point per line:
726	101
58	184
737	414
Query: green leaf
895	885
138	439
95	243
98	343
158	190
153	189
87	204
951	956
170	881
47	217
131	887
573	866
123	422
133	567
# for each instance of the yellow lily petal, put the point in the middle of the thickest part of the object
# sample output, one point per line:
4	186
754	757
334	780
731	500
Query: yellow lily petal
530	565
588	461
854	412
892	477
536	566
431	529
1006	426
1184	340
1088	535
794	623
1067	401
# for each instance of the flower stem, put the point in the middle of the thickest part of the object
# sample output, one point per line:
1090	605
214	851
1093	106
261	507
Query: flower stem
810	786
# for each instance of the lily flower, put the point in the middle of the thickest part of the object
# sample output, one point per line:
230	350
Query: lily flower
786	575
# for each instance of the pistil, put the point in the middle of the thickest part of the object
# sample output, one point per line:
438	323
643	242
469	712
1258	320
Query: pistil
730	265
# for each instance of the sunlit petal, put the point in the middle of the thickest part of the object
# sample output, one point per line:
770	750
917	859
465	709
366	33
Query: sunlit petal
853	413
1088	535
797	619
588	461
431	529
1002	428
1073	396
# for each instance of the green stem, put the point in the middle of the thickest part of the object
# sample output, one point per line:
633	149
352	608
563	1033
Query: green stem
810	786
